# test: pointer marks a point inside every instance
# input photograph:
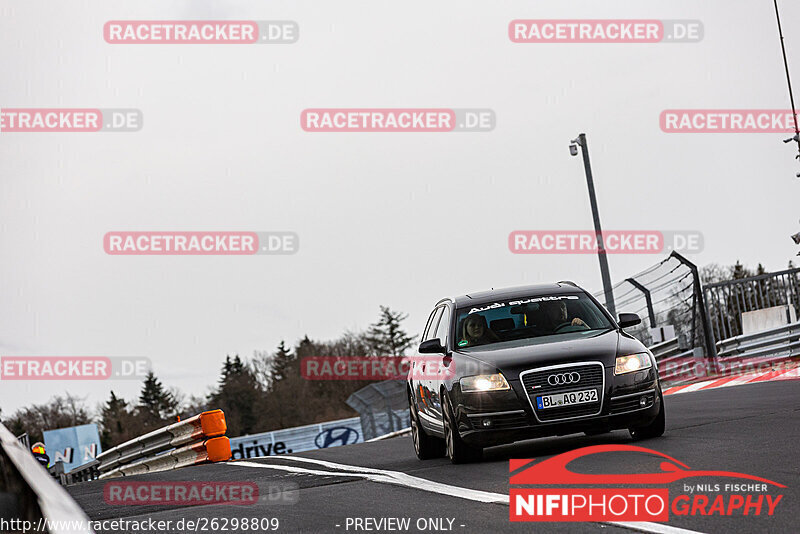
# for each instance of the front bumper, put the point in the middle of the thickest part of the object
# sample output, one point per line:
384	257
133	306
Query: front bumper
495	418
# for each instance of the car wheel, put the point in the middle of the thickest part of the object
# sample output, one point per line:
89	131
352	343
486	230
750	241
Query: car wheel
654	429
425	446
457	450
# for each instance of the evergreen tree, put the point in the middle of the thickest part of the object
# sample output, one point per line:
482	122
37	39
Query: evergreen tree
282	362
387	337
117	422
156	404
238	395
739	271
226	370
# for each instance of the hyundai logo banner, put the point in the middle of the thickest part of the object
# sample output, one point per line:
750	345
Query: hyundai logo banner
298	439
313	437
75	446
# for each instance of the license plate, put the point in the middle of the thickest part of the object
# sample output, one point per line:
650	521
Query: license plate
566	399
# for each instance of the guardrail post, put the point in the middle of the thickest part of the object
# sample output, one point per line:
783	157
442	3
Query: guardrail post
711	350
26	442
647	298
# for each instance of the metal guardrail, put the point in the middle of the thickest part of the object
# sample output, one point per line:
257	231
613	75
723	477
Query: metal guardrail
665	349
382	407
673	360
774	341
195	440
727	300
217	449
745	353
29	493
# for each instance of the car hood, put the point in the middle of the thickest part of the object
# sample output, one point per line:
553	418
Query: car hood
513	357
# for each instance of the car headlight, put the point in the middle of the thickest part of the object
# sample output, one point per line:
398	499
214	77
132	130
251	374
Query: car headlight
631	363
496	382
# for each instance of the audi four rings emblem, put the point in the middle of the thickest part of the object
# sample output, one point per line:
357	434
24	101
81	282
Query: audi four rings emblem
563	378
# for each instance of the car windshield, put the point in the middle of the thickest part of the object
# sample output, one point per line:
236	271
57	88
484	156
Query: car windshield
527	317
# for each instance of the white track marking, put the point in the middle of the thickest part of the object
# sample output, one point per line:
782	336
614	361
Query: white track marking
393	477
694	387
334	465
792	373
399	478
391	435
655	528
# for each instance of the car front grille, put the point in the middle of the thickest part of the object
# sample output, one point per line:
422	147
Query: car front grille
536	383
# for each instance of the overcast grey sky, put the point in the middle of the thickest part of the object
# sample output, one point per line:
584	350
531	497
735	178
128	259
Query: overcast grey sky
399	219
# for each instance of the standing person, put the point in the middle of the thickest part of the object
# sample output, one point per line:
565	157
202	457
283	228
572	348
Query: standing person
40	454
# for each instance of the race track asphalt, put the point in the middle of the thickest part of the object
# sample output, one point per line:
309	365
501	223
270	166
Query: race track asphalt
752	429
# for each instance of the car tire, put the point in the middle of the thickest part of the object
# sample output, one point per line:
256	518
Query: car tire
456	449
425	446
654	429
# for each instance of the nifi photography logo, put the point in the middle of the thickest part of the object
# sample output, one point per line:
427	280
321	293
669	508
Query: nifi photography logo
633	496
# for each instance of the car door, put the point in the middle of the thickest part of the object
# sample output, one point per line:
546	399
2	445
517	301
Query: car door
442	363
421	381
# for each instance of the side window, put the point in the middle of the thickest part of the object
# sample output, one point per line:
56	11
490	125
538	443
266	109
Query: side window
427	326
430	330
444	326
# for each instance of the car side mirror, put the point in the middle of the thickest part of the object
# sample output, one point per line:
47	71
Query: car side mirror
432	346
628	319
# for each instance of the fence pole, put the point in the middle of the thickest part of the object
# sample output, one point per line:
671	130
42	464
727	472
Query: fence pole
711	350
647	298
694	317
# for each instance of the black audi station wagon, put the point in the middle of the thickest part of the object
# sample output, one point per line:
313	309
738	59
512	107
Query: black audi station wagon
525	362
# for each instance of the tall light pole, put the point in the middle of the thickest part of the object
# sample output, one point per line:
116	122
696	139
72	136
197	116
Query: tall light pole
796	137
601	249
